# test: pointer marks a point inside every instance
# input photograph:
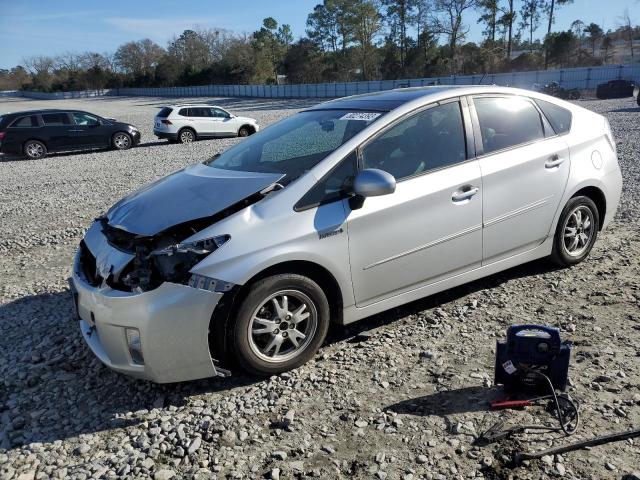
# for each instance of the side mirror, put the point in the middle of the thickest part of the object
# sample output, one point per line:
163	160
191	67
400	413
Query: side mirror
373	182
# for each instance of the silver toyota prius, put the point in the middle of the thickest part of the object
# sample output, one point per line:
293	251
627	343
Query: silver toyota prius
341	211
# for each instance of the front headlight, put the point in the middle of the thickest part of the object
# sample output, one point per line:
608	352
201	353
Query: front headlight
199	247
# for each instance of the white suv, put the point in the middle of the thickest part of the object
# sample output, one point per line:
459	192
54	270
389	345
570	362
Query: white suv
186	123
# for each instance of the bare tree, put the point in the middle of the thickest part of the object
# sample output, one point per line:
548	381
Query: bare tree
138	58
627	27
448	21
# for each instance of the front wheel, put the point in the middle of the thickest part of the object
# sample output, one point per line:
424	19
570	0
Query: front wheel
121	141
243	132
576	231
280	325
574	95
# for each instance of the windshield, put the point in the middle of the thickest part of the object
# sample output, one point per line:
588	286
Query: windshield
296	144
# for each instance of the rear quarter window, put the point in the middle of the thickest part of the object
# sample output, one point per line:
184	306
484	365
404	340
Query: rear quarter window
185	112
25	122
559	118
165	111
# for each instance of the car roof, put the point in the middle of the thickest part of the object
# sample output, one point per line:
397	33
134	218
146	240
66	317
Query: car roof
182	105
387	100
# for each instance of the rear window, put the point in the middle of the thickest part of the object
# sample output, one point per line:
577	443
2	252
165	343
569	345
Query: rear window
559	118
165	111
23	122
54	119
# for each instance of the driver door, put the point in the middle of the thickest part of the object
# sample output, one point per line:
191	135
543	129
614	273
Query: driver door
430	228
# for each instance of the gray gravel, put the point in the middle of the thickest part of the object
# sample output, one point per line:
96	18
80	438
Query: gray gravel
399	396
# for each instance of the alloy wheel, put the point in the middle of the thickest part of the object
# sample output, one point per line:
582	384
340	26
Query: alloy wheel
578	231
186	136
283	326
121	141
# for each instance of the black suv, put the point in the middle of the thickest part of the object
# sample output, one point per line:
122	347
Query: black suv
36	132
615	89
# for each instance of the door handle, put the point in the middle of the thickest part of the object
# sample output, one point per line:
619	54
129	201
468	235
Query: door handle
553	161
464	194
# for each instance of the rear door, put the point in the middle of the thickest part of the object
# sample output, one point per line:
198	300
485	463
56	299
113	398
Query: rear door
525	167
59	131
202	120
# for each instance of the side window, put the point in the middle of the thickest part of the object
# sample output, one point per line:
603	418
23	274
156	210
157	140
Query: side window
334	186
559	118
218	113
431	139
185	112
85	119
507	121
56	119
25	122
200	112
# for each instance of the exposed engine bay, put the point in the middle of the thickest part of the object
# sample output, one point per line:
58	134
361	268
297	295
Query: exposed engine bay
163	257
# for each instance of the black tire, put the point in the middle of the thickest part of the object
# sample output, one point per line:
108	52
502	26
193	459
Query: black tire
121	141
574	95
249	348
561	253
34	149
244	132
186	135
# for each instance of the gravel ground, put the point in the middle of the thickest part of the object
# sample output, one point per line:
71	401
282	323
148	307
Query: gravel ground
401	395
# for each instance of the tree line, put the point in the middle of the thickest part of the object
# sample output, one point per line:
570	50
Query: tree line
346	40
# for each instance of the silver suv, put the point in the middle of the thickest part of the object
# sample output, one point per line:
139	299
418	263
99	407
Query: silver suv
336	213
189	122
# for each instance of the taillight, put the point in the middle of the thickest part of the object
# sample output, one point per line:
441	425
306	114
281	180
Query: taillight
166	122
2	134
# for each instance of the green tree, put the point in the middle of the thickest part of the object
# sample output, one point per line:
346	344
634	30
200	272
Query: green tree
400	16
530	14
560	47
550	9
595	34
489	16
270	45
365	21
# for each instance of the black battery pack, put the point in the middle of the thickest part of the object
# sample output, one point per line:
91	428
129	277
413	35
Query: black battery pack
528	351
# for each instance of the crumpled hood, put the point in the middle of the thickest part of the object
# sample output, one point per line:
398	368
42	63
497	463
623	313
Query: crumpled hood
194	192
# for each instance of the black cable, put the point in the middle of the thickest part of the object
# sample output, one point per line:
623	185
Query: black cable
565	425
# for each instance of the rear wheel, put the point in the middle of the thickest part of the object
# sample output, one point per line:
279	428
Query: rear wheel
576	231
121	141
186	135
574	94
280	325
243	132
34	149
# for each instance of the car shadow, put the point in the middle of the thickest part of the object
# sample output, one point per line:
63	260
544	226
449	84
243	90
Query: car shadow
55	388
347	333
626	110
4	157
449	402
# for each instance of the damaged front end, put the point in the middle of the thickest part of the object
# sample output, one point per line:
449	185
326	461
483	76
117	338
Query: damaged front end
164	257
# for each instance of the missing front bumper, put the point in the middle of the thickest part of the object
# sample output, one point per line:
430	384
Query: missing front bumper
172	320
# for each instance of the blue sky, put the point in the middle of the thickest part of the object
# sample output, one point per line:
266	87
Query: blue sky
47	27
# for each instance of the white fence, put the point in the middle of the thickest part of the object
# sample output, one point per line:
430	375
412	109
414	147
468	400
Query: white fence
586	78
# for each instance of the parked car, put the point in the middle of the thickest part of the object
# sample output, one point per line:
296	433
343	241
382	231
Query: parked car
35	133
615	89
187	123
336	213
555	90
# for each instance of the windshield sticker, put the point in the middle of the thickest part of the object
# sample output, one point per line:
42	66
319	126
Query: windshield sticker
362	116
